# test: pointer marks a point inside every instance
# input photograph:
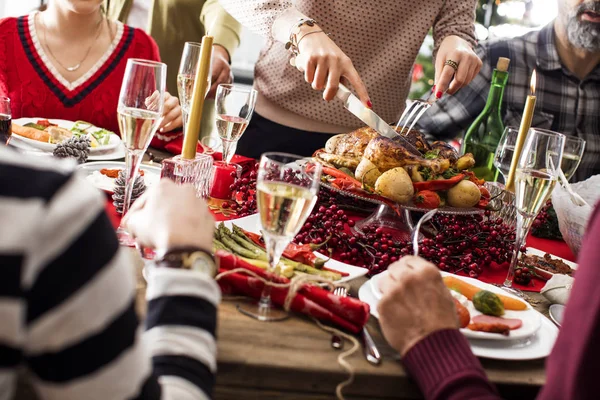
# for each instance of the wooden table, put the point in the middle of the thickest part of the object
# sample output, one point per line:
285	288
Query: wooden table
293	359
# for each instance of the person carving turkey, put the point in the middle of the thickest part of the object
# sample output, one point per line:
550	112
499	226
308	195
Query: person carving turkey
370	45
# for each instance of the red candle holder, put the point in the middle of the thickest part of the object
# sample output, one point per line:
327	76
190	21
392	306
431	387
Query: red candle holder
224	175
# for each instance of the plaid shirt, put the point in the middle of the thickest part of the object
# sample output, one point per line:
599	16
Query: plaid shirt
564	104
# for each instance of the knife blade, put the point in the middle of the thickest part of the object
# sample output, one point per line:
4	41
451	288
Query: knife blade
368	116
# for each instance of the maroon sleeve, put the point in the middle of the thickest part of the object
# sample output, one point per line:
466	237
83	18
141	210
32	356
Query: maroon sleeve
572	368
445	368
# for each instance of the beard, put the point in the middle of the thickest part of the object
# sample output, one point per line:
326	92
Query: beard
584	34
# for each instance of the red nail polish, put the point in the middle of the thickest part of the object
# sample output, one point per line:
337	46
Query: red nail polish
433	89
438	95
369	104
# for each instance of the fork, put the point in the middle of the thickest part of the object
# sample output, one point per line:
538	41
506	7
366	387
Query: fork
336	341
370	348
413	113
415	239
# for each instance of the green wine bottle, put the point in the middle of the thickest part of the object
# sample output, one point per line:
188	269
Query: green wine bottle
485	132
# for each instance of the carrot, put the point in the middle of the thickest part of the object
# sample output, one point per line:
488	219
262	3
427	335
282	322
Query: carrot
468	290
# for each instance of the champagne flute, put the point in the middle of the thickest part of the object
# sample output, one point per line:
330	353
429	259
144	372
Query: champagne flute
140	111
535	179
235	106
574	148
186	78
286	191
5	121
505	150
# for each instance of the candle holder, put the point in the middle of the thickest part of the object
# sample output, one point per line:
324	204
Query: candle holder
197	171
224	175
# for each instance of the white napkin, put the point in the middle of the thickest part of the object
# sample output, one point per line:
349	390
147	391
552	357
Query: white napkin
558	289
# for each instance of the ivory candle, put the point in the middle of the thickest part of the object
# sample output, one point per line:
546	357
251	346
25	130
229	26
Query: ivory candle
523	130
190	140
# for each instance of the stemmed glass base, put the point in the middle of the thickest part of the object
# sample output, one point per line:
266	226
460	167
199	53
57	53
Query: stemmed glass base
511	290
262	310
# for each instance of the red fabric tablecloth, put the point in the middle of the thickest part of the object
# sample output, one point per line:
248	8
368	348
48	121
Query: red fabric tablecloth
493	274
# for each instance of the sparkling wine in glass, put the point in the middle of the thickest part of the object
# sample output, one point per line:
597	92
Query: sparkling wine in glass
574	148
5	121
535	179
234	106
505	150
140	110
287	188
186	78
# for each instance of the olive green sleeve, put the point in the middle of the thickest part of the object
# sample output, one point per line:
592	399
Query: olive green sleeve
222	26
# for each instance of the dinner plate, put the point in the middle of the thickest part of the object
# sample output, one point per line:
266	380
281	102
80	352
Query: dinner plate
535	347
530	317
117	153
251	223
113	143
102	182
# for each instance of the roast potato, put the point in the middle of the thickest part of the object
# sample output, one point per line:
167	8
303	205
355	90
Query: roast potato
464	195
396	185
367	172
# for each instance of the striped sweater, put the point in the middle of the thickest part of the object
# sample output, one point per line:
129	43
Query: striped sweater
67	299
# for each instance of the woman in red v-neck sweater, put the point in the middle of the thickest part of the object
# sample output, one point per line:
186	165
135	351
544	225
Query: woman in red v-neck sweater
37	88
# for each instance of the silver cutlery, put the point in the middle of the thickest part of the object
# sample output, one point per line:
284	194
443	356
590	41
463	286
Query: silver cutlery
413	113
368	116
370	349
415	239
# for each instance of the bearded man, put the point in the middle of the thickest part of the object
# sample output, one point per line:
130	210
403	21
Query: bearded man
566	57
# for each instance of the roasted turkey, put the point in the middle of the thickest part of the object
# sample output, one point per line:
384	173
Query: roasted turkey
348	150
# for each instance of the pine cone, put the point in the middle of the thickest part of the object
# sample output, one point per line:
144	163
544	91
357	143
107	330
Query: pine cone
139	187
77	147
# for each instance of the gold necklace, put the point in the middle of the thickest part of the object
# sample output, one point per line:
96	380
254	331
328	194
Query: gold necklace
87	53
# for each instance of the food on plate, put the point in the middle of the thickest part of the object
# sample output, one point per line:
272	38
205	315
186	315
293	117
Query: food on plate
367	172
437	167
58	134
396	185
488	303
463	313
512	323
468	290
427	199
237	242
98	136
490	328
546	263
48	132
464	194
31	133
114	173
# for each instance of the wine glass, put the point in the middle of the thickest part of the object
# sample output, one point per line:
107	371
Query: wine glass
5	121
535	179
505	150
286	191
574	148
187	76
140	111
234	106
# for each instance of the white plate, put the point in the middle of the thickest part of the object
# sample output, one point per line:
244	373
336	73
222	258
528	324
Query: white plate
92	170
113	142
538	346
117	153
530	317
251	223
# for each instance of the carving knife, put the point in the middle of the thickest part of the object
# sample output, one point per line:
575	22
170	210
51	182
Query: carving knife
366	115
